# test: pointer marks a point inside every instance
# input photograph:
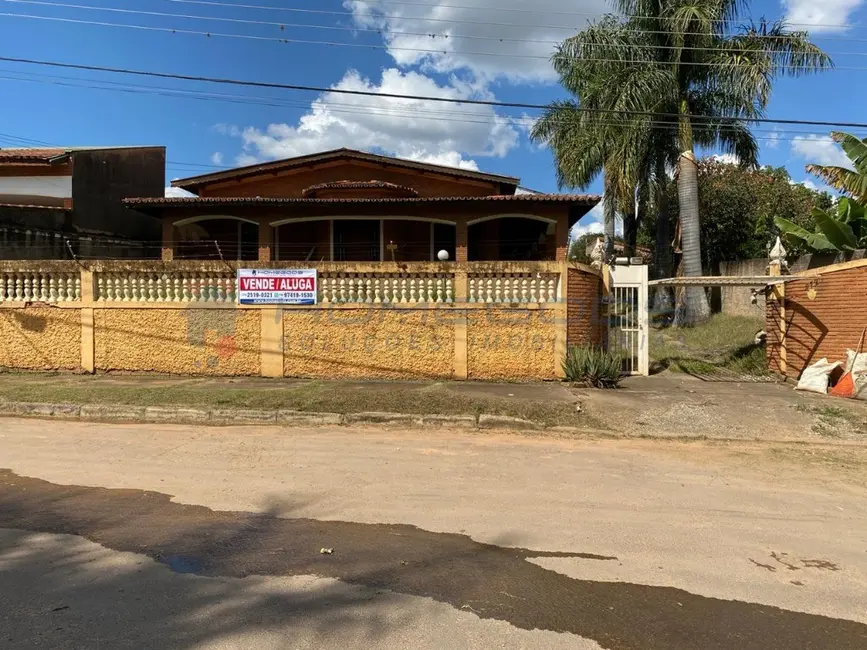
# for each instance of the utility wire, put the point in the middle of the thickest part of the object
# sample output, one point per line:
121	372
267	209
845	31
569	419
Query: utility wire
427	98
380	46
372	109
492	9
380	31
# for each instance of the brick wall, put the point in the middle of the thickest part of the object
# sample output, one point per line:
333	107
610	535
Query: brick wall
583	320
825	315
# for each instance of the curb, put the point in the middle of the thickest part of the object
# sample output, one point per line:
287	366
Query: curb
218	417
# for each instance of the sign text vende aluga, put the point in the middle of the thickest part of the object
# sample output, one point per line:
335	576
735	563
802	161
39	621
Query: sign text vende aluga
277	286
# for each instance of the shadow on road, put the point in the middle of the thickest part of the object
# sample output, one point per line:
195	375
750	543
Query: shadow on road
493	582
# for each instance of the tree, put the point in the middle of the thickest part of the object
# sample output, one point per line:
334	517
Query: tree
583	142
668	76
739	206
850	182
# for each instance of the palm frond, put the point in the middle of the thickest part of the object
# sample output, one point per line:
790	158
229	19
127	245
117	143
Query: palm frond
855	148
841	179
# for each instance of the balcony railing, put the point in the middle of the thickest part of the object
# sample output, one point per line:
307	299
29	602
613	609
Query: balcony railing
339	283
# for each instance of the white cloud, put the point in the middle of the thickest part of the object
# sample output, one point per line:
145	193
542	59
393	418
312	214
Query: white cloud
726	158
515	41
413	129
217	158
593	222
810	185
177	193
820	15
773	139
819	150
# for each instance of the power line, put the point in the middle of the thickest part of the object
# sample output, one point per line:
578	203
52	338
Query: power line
380	31
770	135
425	98
378	46
492	9
338	107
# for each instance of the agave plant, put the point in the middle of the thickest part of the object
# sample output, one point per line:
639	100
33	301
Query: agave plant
845	231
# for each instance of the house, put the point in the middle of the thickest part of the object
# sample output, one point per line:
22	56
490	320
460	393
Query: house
347	205
49	196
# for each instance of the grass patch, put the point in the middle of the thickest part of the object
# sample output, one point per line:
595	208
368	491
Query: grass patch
833	421
725	343
313	396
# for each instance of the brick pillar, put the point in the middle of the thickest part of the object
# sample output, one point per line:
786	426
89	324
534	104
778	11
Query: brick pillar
168	249
462	240
561	237
266	242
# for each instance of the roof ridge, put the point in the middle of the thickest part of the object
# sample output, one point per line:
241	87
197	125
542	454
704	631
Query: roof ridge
251	170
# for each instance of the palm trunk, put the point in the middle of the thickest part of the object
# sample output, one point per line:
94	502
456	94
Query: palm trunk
663	299
693	308
609	216
630	226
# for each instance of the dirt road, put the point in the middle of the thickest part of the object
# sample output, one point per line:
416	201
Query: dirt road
182	537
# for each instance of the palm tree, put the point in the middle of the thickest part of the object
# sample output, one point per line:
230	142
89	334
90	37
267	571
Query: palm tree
660	80
850	182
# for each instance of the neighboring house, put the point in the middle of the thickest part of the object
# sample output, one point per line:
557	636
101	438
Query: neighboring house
346	205
53	195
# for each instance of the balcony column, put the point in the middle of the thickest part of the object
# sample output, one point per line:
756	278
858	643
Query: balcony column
266	241
168	247
461	240
561	237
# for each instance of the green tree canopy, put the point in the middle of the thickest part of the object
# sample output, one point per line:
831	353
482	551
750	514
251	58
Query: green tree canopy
739	207
653	83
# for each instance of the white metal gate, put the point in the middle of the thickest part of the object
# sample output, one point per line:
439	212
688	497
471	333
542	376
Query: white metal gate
628	326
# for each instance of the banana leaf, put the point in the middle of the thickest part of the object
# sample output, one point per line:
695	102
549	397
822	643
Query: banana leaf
798	236
839	233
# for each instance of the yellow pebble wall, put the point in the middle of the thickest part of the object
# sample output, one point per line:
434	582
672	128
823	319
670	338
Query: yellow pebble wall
178	341
510	344
369	343
40	338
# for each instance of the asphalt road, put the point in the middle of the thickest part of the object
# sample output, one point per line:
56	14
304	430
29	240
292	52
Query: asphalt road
115	536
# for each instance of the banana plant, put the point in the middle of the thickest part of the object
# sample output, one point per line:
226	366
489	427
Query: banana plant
845	231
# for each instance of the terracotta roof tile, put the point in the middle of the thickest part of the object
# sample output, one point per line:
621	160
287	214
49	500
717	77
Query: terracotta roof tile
29	156
180	202
195	182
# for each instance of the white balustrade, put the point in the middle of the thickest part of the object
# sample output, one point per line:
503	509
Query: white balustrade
186	287
32	286
512	288
388	288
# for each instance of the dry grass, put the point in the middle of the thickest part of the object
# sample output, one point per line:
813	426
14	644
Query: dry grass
313	396
725	343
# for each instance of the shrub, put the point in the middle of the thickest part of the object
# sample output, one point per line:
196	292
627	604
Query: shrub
594	366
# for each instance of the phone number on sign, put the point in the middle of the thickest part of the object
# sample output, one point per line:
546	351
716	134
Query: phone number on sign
282	295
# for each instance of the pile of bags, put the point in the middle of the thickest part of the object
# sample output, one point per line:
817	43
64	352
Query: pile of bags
849	378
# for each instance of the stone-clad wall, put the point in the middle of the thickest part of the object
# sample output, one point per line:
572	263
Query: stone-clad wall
178	341
484	321
40	338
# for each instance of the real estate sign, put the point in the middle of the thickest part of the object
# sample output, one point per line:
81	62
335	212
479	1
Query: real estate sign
277	286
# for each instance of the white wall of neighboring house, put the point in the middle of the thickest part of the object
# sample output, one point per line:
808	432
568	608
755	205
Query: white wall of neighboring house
58	187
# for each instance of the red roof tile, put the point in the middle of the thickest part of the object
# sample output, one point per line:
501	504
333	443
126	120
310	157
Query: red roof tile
29	156
189	202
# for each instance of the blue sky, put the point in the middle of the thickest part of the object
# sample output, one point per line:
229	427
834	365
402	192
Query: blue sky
386	48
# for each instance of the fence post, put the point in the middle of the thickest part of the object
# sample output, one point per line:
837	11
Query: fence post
460	324
561	316
271	345
88	361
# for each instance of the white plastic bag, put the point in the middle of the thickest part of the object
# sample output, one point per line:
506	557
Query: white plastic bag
856	363
815	378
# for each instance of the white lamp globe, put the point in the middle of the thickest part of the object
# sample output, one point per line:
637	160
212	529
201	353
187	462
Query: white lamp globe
443	256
